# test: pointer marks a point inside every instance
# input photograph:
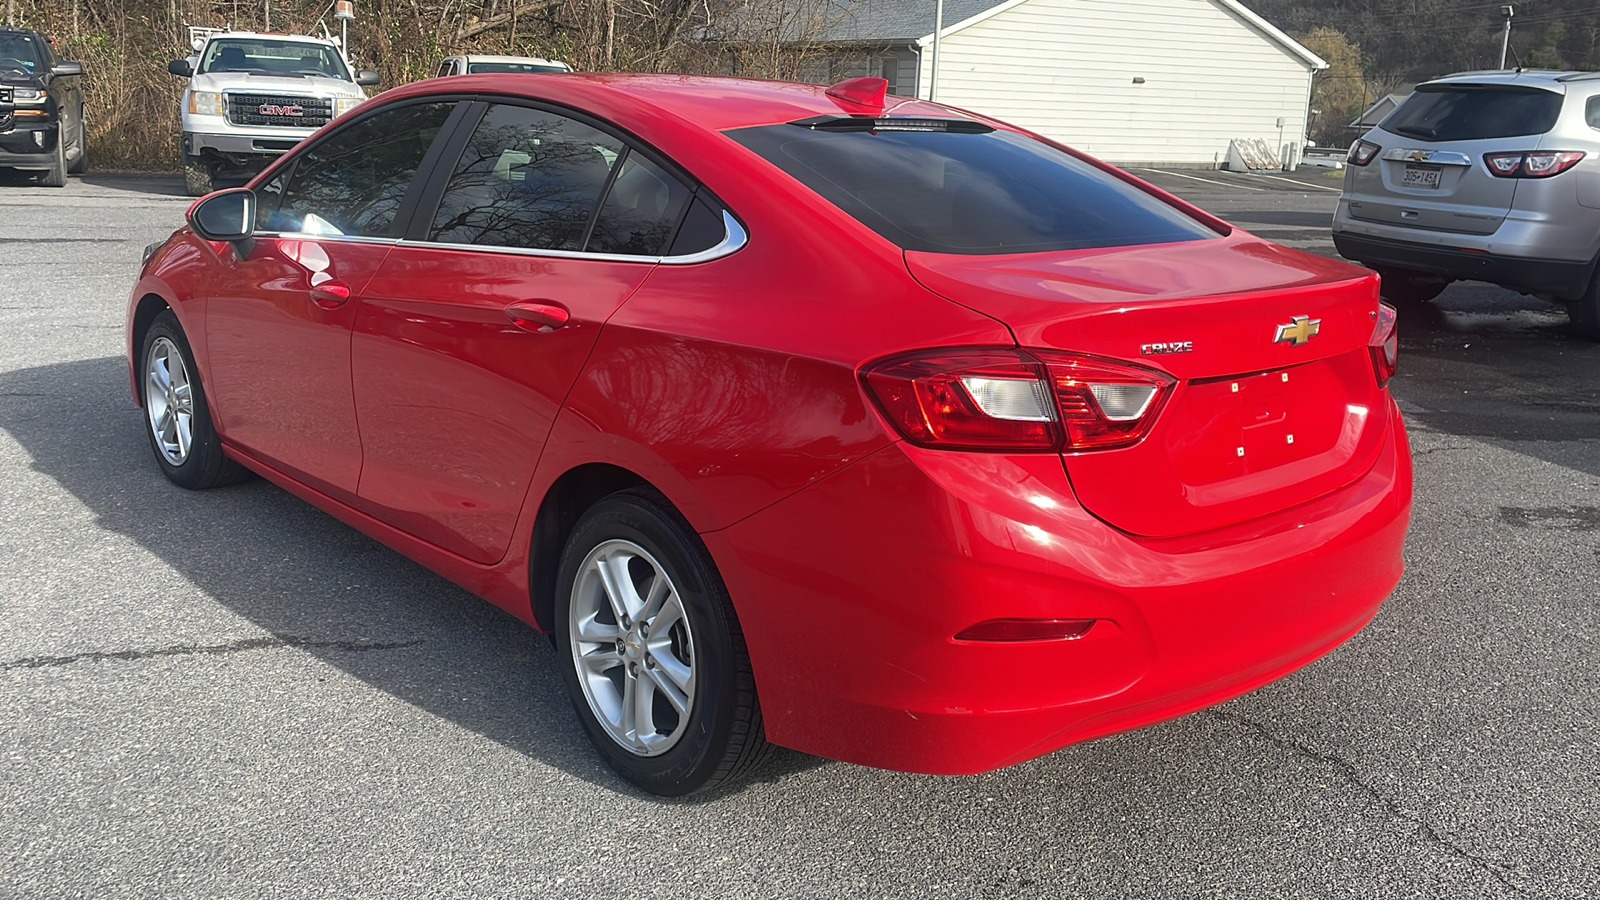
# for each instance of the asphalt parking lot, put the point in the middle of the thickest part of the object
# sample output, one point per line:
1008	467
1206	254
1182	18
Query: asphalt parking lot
229	694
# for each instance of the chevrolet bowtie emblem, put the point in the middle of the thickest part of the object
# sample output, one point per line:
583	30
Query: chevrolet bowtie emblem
1299	331
1420	155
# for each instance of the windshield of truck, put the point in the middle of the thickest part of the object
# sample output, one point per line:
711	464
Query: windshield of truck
18	52
272	56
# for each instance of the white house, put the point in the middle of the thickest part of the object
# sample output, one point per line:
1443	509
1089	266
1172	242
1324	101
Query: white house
1153	81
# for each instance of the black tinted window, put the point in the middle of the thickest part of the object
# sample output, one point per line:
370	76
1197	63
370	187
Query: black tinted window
527	178
1471	113
640	211
1592	112
701	230
993	192
353	182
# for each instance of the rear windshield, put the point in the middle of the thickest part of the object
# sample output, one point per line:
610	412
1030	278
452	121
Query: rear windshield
1473	112
497	68
266	56
994	192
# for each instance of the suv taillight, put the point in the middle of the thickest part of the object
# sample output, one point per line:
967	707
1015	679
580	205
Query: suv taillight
1384	345
1531	164
993	399
1361	153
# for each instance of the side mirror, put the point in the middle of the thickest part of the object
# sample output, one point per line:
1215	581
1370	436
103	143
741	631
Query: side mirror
228	215
367	77
64	69
180	68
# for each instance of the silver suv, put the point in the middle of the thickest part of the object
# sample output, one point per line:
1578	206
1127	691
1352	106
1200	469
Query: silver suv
1490	176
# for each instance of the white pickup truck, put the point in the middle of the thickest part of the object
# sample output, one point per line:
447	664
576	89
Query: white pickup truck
253	96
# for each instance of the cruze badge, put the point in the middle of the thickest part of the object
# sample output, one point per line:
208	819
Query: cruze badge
1299	331
1167	347
272	109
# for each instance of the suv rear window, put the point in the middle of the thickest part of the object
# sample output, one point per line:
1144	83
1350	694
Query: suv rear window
985	193
1474	112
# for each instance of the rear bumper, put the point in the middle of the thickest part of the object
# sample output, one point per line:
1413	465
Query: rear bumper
1563	278
864	667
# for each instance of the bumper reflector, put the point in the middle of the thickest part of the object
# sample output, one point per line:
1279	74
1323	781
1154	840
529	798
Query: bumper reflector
1027	630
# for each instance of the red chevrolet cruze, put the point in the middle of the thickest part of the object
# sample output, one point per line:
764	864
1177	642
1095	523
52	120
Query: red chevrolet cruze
860	425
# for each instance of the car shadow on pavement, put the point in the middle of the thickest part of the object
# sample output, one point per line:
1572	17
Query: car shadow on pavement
314	584
163	184
1488	363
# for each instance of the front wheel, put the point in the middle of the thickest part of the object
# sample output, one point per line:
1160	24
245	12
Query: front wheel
56	175
80	162
177	416
197	177
652	653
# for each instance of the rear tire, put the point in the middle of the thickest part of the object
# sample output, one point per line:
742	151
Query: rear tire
197	176
177	416
651	651
1406	286
1585	310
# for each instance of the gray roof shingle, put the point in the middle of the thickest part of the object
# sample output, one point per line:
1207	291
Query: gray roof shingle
894	21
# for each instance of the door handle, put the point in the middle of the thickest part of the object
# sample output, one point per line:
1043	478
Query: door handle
330	294
537	316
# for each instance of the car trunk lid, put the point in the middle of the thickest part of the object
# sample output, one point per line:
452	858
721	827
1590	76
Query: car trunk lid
1254	424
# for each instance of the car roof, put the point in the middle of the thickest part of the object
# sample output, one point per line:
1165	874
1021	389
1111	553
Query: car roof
1545	78
711	102
303	38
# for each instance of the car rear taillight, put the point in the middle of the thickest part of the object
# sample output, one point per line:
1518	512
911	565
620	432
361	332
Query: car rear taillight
990	399
1361	153
1104	404
1531	164
1384	345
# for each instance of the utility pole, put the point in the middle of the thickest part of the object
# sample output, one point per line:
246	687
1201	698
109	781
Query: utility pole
1505	39
938	26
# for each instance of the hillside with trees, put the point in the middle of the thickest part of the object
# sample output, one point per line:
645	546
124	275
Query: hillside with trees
1373	46
1377	46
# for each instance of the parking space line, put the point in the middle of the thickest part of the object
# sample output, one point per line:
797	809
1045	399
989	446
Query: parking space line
1315	187
1206	180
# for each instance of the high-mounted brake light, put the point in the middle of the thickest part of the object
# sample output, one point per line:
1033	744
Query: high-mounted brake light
1361	153
1531	164
1384	345
892	123
1015	400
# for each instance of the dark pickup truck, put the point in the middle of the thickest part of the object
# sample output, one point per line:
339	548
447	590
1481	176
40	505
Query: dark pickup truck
41	109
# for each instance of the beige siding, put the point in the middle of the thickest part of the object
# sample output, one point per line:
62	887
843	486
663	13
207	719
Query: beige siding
1066	69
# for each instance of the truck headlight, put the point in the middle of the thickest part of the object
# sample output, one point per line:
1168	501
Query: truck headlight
342	105
27	95
205	103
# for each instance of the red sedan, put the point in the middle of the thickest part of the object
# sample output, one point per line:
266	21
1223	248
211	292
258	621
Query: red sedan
850	423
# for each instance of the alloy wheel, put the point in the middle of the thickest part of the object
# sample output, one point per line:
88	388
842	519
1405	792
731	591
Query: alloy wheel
169	401
633	647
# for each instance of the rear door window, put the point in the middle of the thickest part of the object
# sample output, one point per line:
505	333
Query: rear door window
974	193
1474	112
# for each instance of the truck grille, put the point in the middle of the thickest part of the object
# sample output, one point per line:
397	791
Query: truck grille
5	108
280	110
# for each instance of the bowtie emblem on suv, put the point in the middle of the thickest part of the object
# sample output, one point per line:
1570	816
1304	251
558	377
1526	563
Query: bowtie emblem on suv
1297	332
273	109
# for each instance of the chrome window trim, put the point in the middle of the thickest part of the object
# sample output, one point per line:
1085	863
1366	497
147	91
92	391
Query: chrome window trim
734	238
307	236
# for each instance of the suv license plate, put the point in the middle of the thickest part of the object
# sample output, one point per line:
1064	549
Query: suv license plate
1421	176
